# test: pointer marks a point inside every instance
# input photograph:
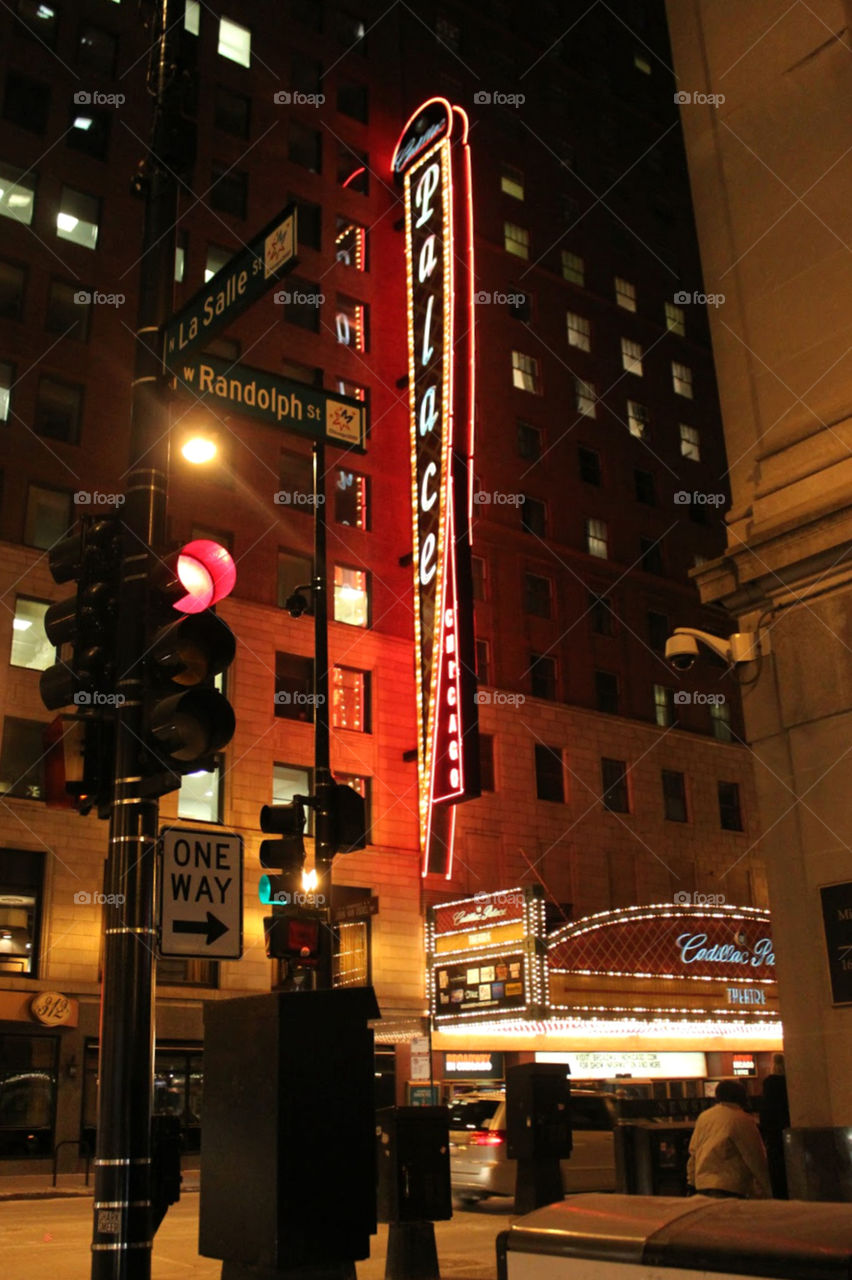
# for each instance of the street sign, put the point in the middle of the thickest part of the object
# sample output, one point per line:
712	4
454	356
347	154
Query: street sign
201	894
320	415
242	280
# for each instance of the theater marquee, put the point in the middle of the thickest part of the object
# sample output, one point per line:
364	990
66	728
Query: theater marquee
432	160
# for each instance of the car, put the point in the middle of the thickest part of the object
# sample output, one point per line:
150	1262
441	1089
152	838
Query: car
480	1166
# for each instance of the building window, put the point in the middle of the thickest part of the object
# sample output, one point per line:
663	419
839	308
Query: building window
22	759
663	705
578	332
596	538
516	240
658	630
526	373
650	555
549	773
294	571
296	480
13	284
289	781
675	320
58	410
690	442
350	699
682	379
585	398
78	218
350	322
192	17
69	310
573	268
217	258
200	796
39	18
533	517
353	169
730	817
625	294
48	516
448	32
614	791
234	42
543	677
512	182
643	483
352	101
486	762
351	596
21	883
674	795
350	499
642	64
606	692
229	191
637	419
7	381
351	956
631	357
720	719
350	244
30	646
600	615
537	595
478	575
345	387
362	785
483	662
294	687
17	194
305	147
302	304
590	465
529	440
26	102
351	30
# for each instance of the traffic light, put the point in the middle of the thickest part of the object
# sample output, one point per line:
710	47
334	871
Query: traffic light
186	720
287	853
341	819
294	937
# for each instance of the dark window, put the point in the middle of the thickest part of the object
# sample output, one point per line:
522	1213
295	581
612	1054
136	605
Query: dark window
353	169
294	571
39	18
549	773
89	131
229	191
533	516
296	478
478	575
529	441
29	1067
590	465
730	816
69	309
26	102
483	662
232	114
543	676
674	795
537	595
48	516
350	699
306	373
21	879
305	147
310	222
658	630
486	762
606	692
96	50
308	12
58	410
651	555
614	785
306	76
697	513
363	786
22	759
350	499
13	284
352	101
520	305
644	483
302	302
294	687
600	615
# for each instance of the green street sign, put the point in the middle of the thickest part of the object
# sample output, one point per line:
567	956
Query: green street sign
242	280
236	388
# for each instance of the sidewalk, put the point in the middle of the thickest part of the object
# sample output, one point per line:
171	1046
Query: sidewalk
39	1186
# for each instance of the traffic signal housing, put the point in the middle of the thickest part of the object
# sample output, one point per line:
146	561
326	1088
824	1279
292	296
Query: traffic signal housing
292	932
341	819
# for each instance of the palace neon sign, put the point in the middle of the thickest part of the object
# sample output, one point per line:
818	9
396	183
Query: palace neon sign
432	159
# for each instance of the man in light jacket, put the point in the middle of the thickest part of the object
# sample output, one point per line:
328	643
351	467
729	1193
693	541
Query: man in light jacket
726	1154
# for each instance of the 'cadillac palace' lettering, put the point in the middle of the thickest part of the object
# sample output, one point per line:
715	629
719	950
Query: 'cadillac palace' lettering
693	947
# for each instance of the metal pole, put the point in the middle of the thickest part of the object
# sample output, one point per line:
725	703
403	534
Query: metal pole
122	1234
322	755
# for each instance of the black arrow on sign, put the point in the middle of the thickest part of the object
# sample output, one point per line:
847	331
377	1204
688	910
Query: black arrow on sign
213	927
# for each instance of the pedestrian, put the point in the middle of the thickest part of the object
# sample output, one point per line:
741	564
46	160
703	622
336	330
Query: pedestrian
774	1119
726	1154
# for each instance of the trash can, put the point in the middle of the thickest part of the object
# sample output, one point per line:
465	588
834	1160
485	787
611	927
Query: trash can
783	1239
651	1157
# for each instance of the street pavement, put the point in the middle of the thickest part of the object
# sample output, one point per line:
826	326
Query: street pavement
43	1237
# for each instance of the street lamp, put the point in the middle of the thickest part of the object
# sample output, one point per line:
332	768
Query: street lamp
199	449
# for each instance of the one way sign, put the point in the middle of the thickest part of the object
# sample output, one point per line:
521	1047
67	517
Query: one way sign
201	894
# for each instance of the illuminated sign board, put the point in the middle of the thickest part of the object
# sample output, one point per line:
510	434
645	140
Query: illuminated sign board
497	984
744	1064
432	160
478	1065
640	1065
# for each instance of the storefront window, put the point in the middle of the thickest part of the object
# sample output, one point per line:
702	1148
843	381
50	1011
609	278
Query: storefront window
28	1067
20	893
178	1085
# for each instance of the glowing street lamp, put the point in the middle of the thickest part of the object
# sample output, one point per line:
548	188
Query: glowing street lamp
199	449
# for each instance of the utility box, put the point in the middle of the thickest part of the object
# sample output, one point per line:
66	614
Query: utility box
413	1156
538	1112
288	1144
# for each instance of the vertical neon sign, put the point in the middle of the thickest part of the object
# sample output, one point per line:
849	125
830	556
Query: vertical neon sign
432	158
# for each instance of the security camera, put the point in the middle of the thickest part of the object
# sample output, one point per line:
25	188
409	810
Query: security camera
682	647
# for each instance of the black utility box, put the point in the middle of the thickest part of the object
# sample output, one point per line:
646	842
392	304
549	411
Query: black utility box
651	1158
538	1112
288	1142
413	1154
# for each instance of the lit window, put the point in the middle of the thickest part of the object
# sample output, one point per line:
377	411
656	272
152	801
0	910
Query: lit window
351	596
30	646
526	373
78	218
350	244
682	379
690	442
17	194
234	42
720	719
354	390
40	18
663	705
596	538
675	320
350	321
516	240
625	294
350	699
578	332
350	499
7	377
216	259
20	902
585	397
180	263
631	357
200	796
192	17
637	419
642	64
512	182
573	268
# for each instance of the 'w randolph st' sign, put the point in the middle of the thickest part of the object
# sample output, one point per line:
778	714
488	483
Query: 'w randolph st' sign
432	160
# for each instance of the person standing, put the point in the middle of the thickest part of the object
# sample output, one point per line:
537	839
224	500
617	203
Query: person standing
726	1154
774	1119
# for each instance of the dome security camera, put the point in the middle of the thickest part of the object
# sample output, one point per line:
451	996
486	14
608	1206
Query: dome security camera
742	646
681	651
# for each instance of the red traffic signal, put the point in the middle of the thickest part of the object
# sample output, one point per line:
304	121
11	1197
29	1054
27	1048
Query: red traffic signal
204	573
293	937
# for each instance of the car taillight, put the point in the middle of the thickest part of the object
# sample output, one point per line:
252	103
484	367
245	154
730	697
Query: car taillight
487	1137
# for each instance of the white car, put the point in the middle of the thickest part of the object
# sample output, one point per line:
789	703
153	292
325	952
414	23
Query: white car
480	1167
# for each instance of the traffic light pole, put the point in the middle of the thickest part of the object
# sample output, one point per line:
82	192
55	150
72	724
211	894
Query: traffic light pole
324	849
122	1230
